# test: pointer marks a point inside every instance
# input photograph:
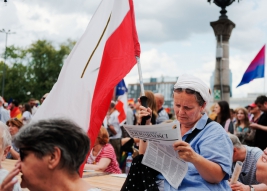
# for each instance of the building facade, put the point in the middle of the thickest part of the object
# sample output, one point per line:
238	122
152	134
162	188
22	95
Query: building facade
163	85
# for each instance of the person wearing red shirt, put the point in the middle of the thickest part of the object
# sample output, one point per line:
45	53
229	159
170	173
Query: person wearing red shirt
14	109
102	157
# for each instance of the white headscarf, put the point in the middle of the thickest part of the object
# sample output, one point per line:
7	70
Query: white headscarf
194	83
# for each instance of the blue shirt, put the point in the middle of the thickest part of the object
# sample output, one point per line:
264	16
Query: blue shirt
214	144
9	156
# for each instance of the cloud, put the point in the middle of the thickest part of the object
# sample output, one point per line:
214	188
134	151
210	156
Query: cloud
175	35
154	64
172	20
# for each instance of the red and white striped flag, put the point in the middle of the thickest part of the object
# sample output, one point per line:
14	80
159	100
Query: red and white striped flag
98	62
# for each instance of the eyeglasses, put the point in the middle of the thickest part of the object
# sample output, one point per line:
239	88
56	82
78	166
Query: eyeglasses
187	90
22	153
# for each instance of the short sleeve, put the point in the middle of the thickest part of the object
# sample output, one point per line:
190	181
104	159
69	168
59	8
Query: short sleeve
107	152
218	148
258	153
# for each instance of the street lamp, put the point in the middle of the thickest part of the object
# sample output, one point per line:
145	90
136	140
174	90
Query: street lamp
4	67
223	4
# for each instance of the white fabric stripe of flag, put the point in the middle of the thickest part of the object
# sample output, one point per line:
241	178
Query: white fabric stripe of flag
72	95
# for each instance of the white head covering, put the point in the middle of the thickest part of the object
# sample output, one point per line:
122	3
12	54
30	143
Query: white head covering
194	83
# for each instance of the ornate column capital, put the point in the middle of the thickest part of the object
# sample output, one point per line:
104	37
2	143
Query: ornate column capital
223	27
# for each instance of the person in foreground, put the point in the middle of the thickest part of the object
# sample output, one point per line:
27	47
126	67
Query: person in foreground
51	153
249	156
209	154
102	157
7	183
261	174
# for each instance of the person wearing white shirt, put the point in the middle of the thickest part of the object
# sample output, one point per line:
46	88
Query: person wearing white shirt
27	114
33	105
4	114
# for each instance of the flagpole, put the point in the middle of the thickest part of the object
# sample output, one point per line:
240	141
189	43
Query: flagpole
264	80
143	98
264	75
140	76
264	84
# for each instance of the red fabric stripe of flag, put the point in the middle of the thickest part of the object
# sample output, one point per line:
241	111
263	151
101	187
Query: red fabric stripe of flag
117	60
119	106
135	36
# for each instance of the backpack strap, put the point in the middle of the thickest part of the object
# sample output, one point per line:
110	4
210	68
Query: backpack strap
192	135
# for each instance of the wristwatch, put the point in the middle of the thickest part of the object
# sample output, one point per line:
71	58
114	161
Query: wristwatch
251	188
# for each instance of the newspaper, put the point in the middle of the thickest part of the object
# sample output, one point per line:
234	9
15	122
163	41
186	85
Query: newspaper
160	154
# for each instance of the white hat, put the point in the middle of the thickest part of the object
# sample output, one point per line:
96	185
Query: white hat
194	83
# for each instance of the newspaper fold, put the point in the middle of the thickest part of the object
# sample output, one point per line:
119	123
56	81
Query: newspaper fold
160	154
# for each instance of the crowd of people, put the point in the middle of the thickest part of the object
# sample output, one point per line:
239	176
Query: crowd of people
212	143
248	123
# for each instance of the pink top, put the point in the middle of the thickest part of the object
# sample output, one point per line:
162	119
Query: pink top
107	151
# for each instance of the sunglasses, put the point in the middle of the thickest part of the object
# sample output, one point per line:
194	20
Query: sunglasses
22	153
187	90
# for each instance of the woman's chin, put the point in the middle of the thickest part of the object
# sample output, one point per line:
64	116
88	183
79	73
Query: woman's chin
182	119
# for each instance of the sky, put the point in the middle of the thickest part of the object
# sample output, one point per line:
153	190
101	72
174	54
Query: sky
175	35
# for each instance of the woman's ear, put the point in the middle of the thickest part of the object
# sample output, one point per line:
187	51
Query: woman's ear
203	107
54	158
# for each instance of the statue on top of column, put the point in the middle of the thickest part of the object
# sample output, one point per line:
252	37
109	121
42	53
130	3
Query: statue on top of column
223	4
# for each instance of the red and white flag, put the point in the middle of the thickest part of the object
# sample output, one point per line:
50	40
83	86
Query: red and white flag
100	59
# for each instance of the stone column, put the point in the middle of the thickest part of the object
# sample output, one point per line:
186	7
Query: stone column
222	29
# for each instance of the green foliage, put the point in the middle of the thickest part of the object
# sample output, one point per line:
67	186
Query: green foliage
32	71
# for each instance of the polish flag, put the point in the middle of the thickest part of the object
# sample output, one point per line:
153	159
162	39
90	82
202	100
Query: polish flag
102	57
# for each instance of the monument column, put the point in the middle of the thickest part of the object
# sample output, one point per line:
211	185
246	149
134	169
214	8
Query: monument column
222	29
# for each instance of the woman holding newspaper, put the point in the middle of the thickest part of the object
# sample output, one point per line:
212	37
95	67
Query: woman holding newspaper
205	146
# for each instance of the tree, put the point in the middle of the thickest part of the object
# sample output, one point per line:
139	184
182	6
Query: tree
32	71
45	64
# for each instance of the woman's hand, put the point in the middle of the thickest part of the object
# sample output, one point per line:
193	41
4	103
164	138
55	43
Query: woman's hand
185	151
208	170
143	111
10	180
239	187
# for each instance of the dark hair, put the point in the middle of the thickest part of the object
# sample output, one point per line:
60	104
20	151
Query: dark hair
15	121
224	113
27	107
43	136
112	104
15	102
232	110
261	99
199	98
